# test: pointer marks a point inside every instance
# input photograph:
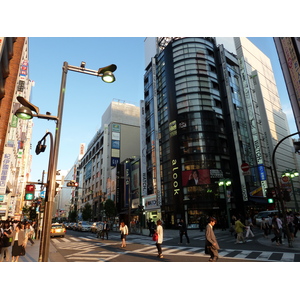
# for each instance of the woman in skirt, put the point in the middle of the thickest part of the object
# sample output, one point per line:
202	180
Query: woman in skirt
124	233
18	243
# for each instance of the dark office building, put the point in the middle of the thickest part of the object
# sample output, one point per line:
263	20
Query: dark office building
194	118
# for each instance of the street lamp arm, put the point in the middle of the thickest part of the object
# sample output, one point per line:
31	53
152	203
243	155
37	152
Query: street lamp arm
26	103
277	191
98	73
47	117
273	154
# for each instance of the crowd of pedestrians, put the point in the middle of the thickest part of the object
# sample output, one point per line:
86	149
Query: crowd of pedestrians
14	236
272	225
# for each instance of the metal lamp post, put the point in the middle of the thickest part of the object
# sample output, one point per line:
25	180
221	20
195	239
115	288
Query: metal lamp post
225	183
278	192
25	112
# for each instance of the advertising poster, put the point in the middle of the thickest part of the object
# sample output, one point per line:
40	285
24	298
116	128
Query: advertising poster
195	177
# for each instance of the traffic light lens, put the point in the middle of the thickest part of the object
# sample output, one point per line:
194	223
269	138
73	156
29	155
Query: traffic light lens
29	196
29	192
30	188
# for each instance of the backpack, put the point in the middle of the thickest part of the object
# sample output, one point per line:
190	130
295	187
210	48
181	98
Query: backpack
6	240
155	237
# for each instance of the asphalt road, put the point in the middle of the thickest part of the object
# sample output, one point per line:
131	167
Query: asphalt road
86	247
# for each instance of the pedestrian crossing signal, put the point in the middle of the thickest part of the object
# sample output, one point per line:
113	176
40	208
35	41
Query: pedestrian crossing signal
29	192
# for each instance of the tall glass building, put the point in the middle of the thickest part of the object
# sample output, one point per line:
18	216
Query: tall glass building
198	133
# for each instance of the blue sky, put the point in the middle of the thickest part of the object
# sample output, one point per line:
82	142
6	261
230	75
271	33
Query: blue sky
87	97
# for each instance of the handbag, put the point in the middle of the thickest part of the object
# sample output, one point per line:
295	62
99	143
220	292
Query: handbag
155	237
23	252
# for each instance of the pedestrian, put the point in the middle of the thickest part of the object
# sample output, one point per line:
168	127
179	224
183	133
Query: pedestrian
291	225
277	229
183	231
124	233
296	222
223	223
6	233
239	229
265	227
201	223
34	226
160	233
18	243
149	226
28	234
232	228
249	226
152	227
105	230
100	230
211	243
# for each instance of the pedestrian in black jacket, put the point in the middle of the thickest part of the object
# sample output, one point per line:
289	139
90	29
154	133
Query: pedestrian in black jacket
6	243
183	231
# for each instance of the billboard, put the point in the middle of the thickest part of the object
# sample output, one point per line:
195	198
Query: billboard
196	177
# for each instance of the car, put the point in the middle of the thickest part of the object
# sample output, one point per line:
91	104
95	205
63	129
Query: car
67	225
57	229
267	214
84	226
75	226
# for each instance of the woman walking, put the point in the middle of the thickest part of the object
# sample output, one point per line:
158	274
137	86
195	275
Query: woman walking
28	234
160	233
124	233
18	243
265	227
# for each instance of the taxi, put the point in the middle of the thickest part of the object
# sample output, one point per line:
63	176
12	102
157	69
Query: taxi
58	229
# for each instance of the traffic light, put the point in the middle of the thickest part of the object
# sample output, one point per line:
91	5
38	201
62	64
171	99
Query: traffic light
72	183
286	196
270	195
29	192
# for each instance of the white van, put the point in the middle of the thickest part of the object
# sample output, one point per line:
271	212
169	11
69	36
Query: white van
267	214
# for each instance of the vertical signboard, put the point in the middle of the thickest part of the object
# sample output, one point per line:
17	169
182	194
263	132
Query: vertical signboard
115	144
5	169
175	158
143	148
292	63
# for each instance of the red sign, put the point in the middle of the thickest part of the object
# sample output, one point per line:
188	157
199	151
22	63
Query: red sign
245	167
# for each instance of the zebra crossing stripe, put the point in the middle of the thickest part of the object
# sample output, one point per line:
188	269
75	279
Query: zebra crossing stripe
74	239
174	250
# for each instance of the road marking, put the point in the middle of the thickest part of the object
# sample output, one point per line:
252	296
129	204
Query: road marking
80	245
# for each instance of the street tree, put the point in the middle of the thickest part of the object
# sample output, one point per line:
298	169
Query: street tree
87	212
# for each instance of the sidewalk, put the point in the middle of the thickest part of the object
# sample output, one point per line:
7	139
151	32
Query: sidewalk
32	252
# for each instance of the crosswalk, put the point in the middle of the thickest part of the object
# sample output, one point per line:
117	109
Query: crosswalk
102	250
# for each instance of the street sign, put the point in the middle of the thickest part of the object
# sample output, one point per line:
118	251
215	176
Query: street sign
262	173
245	167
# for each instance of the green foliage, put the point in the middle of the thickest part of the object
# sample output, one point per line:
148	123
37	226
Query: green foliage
110	209
87	212
73	216
25	209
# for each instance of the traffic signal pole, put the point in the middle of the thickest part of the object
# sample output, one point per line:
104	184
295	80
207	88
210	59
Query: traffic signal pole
278	192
